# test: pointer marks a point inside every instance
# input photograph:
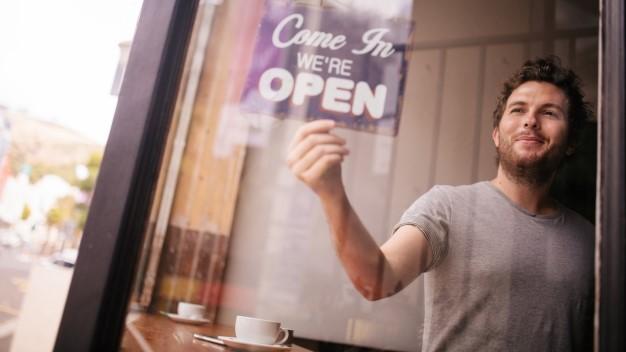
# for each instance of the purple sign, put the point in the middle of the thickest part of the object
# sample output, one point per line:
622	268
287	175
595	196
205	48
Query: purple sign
319	63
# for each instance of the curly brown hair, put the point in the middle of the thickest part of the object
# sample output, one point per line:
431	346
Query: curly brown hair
550	70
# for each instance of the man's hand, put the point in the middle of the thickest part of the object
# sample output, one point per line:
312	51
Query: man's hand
315	156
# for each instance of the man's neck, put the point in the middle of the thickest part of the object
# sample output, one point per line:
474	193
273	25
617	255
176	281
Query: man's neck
532	197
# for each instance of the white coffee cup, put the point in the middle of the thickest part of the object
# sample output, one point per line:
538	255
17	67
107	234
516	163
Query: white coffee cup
260	331
191	310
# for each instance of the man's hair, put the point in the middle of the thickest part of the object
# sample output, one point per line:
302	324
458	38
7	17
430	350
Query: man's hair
550	70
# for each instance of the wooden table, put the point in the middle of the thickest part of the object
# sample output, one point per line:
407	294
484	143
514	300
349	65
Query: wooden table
150	332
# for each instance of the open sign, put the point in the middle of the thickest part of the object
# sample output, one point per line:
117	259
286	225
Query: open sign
313	63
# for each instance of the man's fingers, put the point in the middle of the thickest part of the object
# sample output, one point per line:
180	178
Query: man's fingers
317	126
316	154
301	149
321	166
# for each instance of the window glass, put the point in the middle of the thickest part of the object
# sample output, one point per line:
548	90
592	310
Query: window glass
411	86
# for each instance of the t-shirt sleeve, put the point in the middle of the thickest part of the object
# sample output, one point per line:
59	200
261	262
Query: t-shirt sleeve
430	213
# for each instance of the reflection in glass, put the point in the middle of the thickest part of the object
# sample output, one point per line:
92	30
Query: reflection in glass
232	229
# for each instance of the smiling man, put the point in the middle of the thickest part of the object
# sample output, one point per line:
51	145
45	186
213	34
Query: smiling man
506	267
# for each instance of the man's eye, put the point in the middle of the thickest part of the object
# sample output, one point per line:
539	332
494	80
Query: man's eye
549	113
516	110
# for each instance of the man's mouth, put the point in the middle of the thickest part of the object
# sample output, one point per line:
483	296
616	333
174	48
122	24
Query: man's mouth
530	139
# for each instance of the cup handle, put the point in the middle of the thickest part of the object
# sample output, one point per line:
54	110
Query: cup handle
282	336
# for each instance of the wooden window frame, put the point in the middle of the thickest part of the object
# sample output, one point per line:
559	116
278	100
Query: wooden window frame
96	307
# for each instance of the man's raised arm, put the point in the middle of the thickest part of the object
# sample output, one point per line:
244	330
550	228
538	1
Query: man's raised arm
315	157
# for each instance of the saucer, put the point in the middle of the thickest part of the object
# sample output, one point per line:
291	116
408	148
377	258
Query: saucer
251	346
186	320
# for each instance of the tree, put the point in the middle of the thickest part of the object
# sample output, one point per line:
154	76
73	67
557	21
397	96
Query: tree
62	211
25	212
93	165
53	217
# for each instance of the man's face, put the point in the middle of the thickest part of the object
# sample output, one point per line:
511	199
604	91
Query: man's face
533	130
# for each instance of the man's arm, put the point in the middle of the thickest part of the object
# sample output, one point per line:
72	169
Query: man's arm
315	157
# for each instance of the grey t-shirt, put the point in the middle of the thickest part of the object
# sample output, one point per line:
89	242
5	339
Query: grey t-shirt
503	279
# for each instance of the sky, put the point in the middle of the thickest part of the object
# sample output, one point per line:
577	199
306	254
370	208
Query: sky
58	59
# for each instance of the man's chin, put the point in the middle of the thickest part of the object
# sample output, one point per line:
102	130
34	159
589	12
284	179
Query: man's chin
528	160
530	168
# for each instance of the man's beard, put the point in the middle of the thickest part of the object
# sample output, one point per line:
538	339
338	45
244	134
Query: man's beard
536	170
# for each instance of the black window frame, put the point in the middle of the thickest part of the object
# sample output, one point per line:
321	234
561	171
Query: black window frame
96	307
611	212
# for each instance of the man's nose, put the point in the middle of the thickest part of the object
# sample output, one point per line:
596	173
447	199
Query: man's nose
530	120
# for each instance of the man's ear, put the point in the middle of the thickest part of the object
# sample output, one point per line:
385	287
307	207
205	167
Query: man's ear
495	135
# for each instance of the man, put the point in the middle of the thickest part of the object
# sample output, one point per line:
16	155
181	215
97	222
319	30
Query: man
507	267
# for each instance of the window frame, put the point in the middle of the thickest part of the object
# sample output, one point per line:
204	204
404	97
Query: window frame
610	214
96	306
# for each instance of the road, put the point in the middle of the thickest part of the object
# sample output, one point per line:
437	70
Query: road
14	272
